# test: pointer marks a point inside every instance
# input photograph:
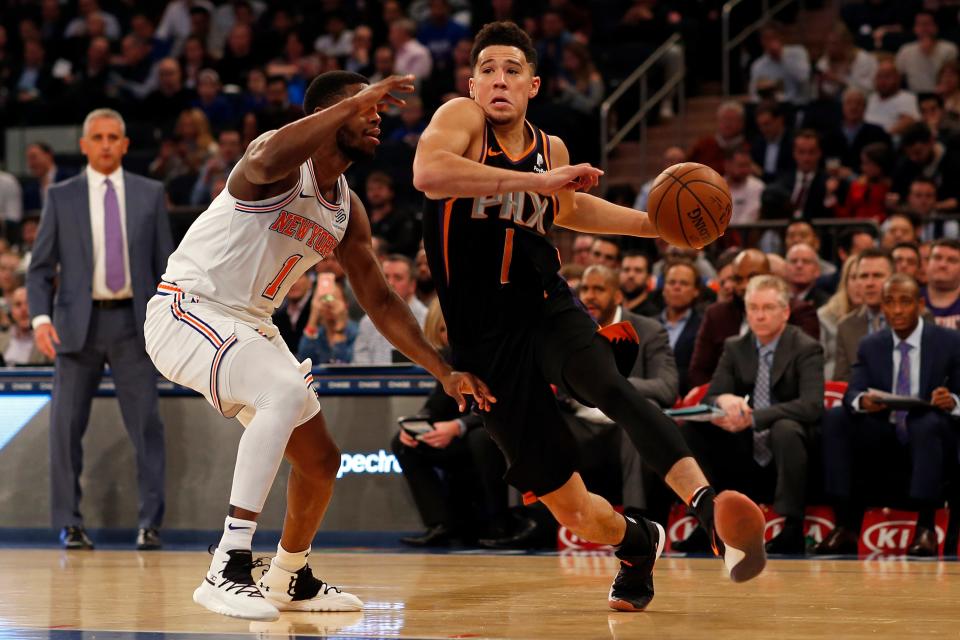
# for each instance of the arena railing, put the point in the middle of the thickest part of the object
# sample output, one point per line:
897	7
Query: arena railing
609	141
828	229
733	42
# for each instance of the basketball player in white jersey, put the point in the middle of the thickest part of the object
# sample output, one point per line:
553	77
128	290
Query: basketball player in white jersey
286	207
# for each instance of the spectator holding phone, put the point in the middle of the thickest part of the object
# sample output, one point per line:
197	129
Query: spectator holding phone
329	334
470	490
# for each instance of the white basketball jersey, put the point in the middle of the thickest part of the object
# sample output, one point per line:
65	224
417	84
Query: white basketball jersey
247	255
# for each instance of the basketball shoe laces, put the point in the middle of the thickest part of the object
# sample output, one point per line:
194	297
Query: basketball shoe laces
304	585
238	572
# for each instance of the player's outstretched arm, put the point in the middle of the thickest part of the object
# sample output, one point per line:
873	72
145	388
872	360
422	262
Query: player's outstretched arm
391	315
590	214
442	168
276	154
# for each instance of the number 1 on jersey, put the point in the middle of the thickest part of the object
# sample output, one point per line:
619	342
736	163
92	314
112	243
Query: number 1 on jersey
271	291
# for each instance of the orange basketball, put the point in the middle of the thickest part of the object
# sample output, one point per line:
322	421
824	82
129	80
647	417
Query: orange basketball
689	205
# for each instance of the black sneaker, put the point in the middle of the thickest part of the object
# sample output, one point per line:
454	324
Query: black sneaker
632	589
148	539
75	538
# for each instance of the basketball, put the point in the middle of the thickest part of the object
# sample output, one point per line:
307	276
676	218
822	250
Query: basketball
689	205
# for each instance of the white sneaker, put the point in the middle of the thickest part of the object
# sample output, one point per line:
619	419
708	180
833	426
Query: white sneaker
301	591
229	589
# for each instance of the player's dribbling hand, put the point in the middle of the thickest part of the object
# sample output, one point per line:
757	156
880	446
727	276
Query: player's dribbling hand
573	177
379	94
458	383
46	336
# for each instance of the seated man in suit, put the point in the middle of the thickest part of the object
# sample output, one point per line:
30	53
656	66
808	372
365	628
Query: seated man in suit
803	270
725	319
865	443
772	149
762	445
807	183
848	139
681	288
872	268
654	375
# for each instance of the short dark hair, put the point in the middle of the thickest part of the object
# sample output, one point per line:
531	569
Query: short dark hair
927	97
634	253
912	246
329	88
399	257
879	154
43	146
769	107
950	243
845	239
505	33
683	263
808	133
917	133
924	180
875	252
614	240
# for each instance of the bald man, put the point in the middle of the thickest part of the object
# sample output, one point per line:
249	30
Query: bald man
723	320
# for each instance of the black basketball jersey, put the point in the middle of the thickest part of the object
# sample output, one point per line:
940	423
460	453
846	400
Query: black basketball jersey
490	256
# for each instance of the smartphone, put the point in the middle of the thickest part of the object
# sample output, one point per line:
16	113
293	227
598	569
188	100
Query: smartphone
415	426
326	285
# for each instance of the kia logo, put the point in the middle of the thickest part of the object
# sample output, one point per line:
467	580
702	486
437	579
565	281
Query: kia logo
893	535
569	540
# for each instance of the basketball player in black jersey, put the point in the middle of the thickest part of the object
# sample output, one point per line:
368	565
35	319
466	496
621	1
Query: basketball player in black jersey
495	184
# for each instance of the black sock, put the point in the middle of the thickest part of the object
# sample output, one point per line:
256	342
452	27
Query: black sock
636	540
793	524
702	506
925	518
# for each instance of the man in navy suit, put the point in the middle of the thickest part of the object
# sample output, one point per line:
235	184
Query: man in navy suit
868	441
105	235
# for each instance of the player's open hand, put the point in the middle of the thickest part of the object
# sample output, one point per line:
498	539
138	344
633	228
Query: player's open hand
457	384
380	94
573	177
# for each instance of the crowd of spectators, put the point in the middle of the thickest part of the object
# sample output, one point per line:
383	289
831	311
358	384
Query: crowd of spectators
869	133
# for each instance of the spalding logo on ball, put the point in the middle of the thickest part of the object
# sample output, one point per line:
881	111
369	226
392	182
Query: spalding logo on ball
689	205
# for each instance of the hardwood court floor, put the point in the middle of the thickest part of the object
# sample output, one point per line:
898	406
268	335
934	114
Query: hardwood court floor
487	596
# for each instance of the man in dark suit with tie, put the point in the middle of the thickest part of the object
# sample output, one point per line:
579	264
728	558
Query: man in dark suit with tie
807	182
725	319
681	288
872	453
105	235
761	446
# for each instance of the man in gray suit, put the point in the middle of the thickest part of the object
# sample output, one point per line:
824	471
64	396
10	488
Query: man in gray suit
105	235
763	444
654	375
872	269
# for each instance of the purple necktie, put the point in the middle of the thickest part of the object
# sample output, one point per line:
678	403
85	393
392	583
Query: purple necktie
903	389
113	239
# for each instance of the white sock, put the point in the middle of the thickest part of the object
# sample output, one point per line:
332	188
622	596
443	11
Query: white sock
237	534
291	561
